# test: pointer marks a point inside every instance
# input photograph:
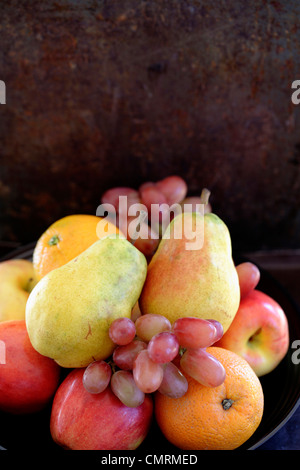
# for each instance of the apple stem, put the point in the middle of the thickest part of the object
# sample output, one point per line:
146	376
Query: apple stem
205	196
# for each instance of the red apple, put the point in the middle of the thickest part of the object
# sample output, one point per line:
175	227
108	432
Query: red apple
28	380
259	332
84	421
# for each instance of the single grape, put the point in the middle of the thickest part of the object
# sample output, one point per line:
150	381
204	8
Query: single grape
174	384
96	376
150	324
132	226
124	387
174	188
203	367
122	331
147	246
111	196
149	195
163	347
219	329
194	332
147	374
148	184
142	236
249	276
124	356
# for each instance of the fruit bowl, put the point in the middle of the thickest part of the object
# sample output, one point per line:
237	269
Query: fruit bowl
281	389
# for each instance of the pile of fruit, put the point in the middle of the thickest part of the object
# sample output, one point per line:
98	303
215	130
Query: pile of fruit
141	327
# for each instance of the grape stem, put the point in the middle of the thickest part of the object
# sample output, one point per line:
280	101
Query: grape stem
113	366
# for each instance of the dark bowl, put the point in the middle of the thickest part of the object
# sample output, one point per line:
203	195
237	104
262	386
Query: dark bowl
281	390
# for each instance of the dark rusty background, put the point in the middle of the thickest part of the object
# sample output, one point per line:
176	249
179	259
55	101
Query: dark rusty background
105	93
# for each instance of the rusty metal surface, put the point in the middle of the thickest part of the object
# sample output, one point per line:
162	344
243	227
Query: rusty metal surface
107	93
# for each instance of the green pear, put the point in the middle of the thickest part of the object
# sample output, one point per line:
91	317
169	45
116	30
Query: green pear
69	311
193	281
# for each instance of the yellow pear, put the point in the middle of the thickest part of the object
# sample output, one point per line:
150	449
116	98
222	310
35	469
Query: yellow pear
69	311
193	277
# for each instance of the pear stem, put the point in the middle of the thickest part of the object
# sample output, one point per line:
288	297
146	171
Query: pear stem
205	195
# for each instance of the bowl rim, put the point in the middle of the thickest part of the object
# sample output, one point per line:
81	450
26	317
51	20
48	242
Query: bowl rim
26	252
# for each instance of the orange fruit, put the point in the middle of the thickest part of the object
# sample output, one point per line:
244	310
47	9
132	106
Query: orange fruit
67	238
219	418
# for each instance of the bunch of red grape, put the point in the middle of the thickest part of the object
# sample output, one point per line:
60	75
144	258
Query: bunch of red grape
170	190
149	354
